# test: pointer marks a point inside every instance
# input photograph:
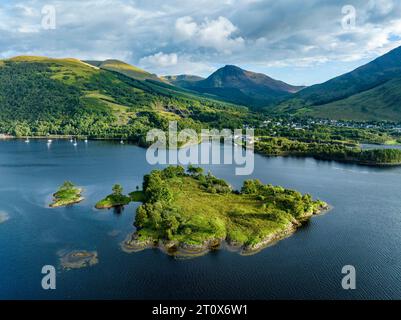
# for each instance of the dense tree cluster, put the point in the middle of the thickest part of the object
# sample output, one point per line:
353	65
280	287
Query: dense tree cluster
327	151
158	212
284	199
55	98
385	156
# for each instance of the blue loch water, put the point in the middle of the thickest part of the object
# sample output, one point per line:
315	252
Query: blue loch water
363	229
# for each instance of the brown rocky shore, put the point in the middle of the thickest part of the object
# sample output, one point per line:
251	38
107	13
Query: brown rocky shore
180	249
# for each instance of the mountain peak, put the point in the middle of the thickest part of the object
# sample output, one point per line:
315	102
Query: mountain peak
232	76
232	67
233	70
237	85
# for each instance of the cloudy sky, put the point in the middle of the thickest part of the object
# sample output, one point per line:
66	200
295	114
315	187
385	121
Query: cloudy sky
300	42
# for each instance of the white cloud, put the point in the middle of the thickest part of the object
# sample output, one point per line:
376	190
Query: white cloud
217	34
172	64
26	10
383	7
186	28
184	36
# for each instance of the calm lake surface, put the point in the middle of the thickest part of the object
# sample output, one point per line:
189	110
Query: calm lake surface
363	230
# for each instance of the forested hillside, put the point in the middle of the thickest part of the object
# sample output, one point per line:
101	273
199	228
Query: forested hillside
40	96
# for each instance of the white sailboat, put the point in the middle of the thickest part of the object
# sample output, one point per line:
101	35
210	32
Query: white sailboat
27	140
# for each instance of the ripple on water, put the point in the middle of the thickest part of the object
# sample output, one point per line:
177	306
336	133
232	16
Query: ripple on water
4	217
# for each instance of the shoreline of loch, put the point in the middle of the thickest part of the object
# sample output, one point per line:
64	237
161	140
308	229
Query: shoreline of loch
133	244
329	159
192	143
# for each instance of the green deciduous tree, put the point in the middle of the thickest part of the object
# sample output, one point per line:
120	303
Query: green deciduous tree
117	190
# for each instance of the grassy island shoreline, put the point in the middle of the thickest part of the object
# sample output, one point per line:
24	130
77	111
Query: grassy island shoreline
117	199
67	194
190	213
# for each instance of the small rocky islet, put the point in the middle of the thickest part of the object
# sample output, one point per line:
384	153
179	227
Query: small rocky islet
78	259
67	194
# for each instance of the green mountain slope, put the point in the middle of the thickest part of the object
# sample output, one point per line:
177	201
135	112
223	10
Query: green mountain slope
239	86
40	96
170	85
370	92
369	76
124	68
380	103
